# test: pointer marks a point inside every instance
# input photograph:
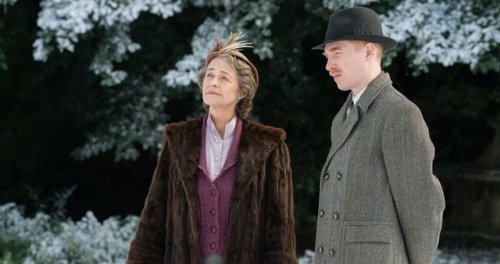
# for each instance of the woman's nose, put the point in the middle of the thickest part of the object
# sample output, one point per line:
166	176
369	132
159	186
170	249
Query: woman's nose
213	81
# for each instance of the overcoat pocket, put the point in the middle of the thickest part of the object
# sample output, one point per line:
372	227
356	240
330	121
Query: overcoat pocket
369	242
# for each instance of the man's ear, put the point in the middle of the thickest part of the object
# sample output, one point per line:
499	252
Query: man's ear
371	50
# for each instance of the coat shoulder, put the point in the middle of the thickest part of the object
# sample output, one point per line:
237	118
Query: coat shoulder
398	108
264	132
397	102
181	128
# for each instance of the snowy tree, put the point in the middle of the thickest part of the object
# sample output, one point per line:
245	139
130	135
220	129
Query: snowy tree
430	32
64	23
233	17
446	32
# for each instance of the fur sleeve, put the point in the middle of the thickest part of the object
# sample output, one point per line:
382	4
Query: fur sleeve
149	243
280	234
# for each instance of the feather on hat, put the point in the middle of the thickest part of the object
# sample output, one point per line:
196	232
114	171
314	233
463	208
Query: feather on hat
232	47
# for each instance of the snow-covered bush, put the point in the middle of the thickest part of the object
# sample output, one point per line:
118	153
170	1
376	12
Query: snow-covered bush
42	239
45	240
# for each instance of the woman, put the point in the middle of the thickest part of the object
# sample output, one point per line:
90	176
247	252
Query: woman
222	189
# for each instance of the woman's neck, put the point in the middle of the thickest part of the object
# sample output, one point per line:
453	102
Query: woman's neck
220	119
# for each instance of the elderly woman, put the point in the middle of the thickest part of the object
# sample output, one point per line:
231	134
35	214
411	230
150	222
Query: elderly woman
222	189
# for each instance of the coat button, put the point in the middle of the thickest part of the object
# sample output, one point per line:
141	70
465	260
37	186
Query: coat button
213	192
331	252
339	176
326	176
335	216
213	211
212	245
213	229
321	213
320	249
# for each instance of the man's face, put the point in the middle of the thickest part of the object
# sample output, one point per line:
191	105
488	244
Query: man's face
346	63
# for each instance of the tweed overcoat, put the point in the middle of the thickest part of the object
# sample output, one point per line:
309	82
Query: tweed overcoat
379	200
261	224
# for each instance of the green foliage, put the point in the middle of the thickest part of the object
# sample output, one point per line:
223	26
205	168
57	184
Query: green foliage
490	62
12	249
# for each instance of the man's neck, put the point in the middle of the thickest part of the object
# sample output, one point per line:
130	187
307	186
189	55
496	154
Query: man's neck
371	75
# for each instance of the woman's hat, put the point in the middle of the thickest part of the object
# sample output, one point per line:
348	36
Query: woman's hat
356	23
232	47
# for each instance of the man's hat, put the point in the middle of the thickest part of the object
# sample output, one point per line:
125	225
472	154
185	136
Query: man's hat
356	23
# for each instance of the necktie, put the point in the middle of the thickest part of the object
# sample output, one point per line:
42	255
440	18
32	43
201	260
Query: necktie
351	106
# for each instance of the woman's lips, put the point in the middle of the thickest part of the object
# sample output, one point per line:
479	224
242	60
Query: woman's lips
211	93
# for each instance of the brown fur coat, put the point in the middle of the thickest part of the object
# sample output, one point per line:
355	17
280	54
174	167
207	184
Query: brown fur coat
261	224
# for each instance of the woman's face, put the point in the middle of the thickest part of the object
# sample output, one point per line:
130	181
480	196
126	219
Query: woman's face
220	86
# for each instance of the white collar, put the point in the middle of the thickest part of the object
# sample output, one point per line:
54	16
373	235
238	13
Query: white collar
355	98
228	130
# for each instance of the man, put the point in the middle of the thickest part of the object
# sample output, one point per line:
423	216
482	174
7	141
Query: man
379	200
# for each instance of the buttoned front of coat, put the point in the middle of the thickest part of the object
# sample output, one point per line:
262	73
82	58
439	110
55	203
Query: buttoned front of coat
379	200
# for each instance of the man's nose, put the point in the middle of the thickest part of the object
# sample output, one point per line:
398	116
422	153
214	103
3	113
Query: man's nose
330	65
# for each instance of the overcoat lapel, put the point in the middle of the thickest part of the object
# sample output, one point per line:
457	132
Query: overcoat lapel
342	125
343	129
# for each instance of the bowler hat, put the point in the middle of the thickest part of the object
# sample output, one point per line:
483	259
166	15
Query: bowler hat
356	23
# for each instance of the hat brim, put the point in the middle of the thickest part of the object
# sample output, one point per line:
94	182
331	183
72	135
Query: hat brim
387	42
